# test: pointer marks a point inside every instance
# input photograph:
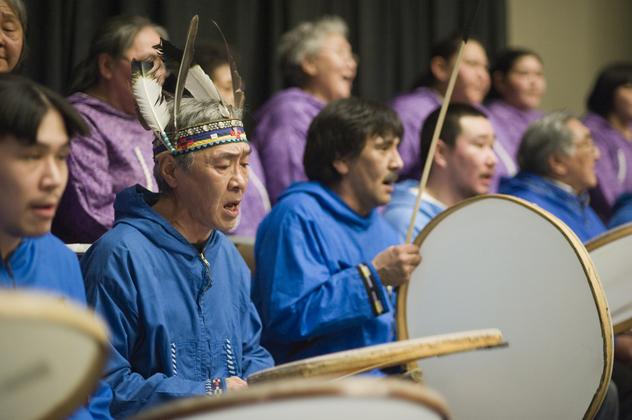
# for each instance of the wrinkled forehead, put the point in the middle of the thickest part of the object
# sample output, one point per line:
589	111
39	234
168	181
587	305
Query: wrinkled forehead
225	151
579	130
7	13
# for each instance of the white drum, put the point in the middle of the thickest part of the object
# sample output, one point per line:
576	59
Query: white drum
499	261
310	399
612	255
53	353
352	362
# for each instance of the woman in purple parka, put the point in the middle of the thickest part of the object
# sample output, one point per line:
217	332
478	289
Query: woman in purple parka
413	107
518	85
118	151
609	118
319	67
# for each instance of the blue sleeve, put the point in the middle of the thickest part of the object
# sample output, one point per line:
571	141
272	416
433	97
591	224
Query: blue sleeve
300	294
116	303
98	407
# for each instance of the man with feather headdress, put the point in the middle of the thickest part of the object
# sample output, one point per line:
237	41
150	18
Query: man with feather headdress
175	291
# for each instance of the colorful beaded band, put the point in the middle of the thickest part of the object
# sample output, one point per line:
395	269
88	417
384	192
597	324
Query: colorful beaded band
204	135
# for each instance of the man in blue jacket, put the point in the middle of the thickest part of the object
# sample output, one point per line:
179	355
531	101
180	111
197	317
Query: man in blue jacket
557	167
35	127
173	288
324	255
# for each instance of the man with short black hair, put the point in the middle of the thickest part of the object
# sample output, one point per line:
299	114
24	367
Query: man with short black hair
324	255
35	127
462	167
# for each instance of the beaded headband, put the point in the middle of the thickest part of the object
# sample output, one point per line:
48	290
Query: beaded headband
156	112
202	136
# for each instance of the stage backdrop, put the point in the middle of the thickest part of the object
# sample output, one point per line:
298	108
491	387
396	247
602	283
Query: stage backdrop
391	37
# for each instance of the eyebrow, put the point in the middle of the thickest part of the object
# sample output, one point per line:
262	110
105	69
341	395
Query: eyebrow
379	141
9	16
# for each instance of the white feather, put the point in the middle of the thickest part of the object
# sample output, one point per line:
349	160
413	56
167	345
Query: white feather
151	104
201	86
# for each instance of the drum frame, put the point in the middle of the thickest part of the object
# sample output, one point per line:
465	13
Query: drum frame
29	305
300	388
604	239
587	265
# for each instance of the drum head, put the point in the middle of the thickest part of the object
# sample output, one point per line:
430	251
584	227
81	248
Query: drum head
499	261
610	253
363	398
52	355
351	362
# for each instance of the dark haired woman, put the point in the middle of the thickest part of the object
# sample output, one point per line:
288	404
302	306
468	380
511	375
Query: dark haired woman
413	107
118	151
518	85
609	118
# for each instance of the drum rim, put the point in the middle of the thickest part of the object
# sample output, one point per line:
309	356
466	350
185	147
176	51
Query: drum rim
33	305
300	388
343	363
609	236
581	252
604	239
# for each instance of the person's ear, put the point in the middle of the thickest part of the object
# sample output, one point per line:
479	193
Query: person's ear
105	64
440	155
558	165
309	67
440	69
167	170
341	166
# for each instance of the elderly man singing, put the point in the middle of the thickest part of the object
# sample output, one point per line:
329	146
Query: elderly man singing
175	291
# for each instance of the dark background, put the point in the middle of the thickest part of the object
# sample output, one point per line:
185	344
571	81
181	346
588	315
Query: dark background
391	37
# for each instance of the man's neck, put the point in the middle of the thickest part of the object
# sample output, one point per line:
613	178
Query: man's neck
564	186
445	195
8	244
350	199
182	220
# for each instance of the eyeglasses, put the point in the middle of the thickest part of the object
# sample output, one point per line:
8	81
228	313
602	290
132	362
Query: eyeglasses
155	60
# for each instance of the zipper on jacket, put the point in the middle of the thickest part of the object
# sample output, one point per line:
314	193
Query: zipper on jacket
207	272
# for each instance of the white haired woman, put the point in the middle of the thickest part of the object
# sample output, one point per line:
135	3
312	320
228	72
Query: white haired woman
12	29
318	67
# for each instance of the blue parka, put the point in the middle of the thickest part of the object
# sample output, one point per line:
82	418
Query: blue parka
400	208
45	264
308	287
569	208
182	320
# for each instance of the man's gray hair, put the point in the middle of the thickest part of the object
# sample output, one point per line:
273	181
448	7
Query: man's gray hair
192	112
544	138
305	40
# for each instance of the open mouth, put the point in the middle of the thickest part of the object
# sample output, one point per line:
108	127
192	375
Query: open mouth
44	210
232	207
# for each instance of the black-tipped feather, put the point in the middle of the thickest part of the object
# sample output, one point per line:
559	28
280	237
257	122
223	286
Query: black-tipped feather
185	64
238	87
152	106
